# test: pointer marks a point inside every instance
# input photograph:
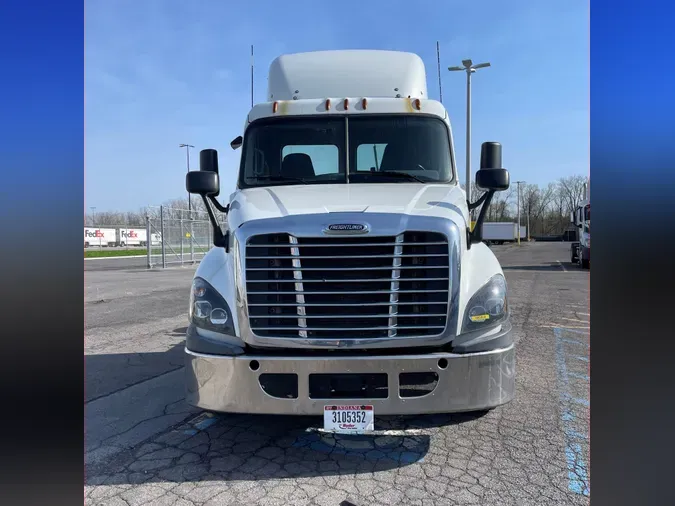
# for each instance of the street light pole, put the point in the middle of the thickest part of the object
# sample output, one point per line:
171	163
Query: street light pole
469	68
188	146
518	233
93	216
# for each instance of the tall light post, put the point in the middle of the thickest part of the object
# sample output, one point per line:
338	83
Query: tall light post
93	216
519	183
469	68
187	150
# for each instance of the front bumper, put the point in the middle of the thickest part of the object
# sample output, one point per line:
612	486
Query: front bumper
466	382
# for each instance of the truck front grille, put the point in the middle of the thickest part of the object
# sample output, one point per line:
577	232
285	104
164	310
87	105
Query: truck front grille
346	288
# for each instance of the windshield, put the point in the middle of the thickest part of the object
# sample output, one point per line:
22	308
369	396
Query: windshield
382	149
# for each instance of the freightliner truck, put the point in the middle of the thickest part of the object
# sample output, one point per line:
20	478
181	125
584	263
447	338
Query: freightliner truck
347	281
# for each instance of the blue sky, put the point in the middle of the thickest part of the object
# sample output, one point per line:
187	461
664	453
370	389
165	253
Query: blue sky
162	72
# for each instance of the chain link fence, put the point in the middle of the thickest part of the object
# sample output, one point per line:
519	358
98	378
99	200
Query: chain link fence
179	236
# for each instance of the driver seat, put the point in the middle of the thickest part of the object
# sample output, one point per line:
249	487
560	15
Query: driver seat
297	166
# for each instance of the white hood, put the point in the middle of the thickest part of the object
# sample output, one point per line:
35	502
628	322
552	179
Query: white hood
439	200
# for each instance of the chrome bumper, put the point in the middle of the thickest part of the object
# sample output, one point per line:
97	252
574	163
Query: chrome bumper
468	382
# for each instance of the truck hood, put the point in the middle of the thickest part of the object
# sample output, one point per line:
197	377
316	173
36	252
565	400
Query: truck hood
437	200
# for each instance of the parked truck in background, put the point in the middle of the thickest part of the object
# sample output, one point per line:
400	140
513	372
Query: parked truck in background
581	219
132	237
94	236
500	232
348	281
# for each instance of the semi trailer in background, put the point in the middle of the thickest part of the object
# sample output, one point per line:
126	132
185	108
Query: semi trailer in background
122	237
500	232
94	236
132	237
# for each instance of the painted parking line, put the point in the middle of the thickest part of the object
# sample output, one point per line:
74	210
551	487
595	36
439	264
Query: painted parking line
577	470
575	341
576	330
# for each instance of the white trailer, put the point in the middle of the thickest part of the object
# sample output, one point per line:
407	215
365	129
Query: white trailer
336	288
132	237
99	237
500	232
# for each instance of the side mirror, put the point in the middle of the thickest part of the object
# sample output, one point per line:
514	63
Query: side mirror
493	179
208	160
491	175
204	183
237	142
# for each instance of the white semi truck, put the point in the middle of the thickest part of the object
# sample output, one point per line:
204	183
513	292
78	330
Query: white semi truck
581	219
348	282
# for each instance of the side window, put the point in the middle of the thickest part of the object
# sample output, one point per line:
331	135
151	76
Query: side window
369	156
325	158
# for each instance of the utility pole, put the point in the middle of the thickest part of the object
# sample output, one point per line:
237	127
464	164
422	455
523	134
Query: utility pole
469	68
518	233
188	146
528	221
93	216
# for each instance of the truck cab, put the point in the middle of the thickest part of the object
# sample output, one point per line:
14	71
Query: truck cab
581	219
347	280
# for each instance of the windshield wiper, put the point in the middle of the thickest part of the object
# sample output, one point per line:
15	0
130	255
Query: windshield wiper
397	174
279	178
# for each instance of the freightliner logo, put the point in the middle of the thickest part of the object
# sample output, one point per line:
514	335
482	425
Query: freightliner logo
346	228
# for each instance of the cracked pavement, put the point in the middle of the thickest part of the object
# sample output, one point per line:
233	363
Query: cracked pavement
145	446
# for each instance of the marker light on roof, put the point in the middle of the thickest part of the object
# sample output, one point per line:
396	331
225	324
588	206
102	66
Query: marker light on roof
275	106
364	103
328	104
417	103
346	103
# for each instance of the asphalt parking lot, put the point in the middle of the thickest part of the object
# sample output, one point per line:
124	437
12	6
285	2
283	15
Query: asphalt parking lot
144	445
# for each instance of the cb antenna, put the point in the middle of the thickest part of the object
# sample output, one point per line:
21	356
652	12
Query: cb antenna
251	76
438	60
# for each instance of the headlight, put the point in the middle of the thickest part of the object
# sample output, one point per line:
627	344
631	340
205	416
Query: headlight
208	310
488	307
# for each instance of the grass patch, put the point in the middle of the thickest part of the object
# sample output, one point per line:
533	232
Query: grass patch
116	252
119	252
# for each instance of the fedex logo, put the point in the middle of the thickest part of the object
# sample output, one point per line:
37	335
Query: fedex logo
95	233
130	234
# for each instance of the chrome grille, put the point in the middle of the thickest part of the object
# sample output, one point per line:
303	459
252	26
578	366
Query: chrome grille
347	287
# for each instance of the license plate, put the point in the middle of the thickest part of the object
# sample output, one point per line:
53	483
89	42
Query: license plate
348	419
